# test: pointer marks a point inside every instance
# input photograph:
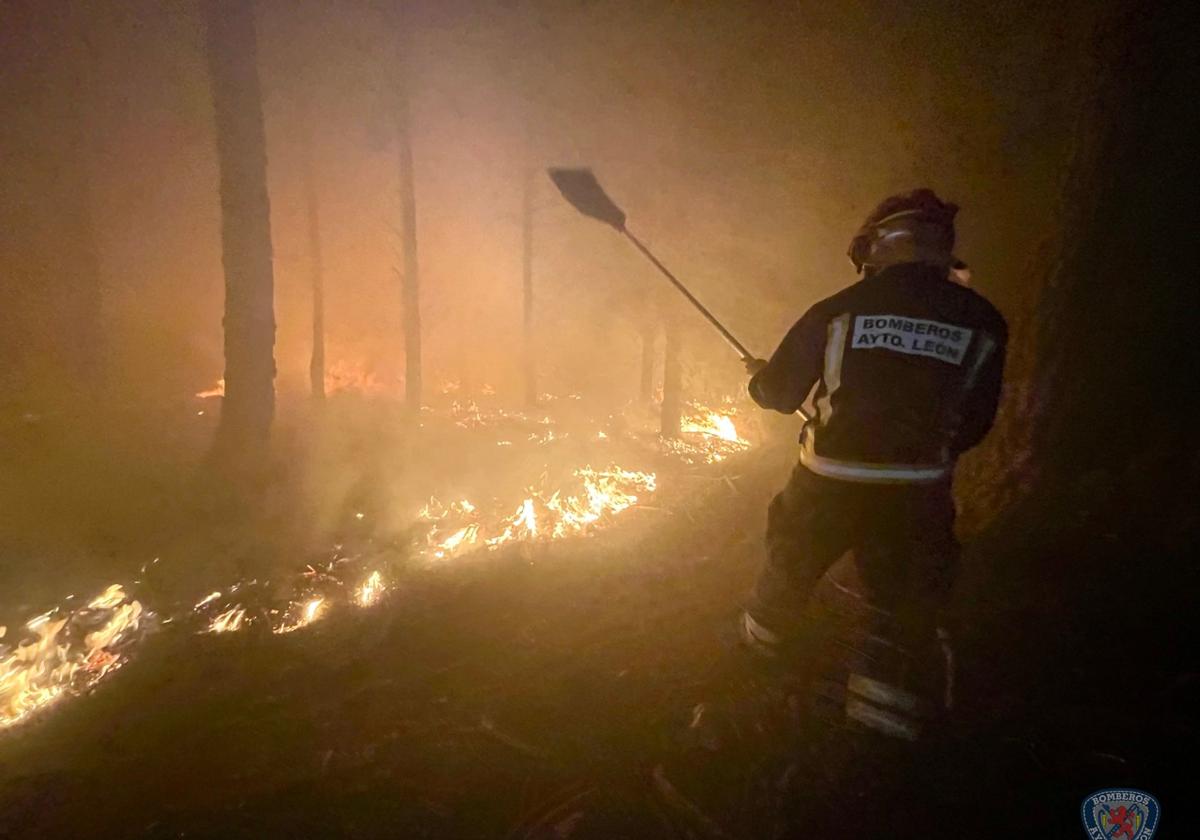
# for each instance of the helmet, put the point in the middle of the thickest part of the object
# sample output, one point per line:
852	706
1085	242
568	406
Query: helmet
911	227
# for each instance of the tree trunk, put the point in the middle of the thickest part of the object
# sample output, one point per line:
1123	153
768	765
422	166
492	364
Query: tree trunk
528	354
249	403
316	366
1115	302
646	389
1094	404
410	282
83	296
672	404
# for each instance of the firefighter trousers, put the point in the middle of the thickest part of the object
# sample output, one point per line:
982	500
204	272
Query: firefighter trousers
902	537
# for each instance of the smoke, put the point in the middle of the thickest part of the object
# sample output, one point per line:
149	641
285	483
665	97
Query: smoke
745	145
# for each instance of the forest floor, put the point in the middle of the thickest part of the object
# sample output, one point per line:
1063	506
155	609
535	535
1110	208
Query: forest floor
545	691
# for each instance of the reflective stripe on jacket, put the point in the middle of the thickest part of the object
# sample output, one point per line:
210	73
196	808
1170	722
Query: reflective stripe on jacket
904	370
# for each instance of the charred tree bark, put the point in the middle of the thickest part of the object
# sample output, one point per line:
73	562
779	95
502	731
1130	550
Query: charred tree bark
1095	417
672	404
528	354
410	281
1116	303
249	404
316	366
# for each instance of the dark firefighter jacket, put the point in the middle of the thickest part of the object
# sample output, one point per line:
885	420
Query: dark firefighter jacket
907	366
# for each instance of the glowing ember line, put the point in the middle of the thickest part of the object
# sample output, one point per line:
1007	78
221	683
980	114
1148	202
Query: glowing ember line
714	425
601	494
66	651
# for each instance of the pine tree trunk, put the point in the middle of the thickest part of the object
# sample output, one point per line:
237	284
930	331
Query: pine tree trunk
410	281
316	366
1093	400
1117	408
84	296
1116	288
672	404
646	386
528	354
249	403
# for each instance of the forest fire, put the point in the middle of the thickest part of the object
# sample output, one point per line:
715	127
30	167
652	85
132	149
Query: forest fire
707	436
400	407
713	424
371	590
301	615
347	377
229	621
217	390
598	494
342	376
69	651
65	651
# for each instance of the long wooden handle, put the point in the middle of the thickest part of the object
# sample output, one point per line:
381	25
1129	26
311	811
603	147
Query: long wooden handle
726	334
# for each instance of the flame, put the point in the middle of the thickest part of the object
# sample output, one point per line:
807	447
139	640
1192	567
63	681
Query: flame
371	591
56	661
310	611
528	518
707	436
714	425
344	376
217	390
108	599
460	527
65	651
468	535
230	621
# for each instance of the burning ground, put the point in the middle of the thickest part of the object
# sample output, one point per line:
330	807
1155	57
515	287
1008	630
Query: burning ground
518	648
70	647
513	490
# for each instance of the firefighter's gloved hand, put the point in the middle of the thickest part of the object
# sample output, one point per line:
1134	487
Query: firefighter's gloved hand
753	366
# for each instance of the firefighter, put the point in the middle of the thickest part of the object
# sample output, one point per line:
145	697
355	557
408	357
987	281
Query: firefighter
904	370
